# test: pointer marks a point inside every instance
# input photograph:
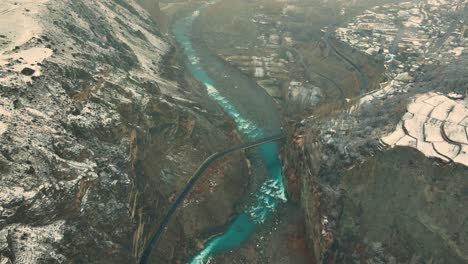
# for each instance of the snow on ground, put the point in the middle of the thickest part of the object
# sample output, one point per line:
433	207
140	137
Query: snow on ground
32	243
457	51
435	125
30	56
18	26
17	21
3	128
157	45
376	31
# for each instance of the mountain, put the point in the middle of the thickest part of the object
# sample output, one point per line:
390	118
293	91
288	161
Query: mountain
99	129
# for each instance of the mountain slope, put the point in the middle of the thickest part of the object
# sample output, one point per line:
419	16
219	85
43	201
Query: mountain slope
98	131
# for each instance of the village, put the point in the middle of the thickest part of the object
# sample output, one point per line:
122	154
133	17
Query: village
405	37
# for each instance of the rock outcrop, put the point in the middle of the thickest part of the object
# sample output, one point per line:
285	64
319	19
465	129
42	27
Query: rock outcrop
382	179
98	132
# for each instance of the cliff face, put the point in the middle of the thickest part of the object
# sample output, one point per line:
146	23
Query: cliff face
406	209
97	134
302	166
382	179
364	203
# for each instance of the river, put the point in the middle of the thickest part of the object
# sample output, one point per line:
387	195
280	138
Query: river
255	115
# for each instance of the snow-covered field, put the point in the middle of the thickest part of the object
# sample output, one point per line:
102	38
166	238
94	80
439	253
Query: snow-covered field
435	125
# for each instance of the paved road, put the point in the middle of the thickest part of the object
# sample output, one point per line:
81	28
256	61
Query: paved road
195	177
361	75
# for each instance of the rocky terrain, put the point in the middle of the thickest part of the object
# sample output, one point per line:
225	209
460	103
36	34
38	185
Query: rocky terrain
374	98
99	128
367	195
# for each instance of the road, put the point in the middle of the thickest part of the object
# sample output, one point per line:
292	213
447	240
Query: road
361	75
195	177
298	55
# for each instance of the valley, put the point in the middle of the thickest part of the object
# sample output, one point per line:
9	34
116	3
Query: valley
124	122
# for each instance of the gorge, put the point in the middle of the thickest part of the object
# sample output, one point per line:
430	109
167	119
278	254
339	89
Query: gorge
115	116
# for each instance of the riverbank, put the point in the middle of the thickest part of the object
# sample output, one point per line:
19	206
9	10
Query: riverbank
255	115
218	191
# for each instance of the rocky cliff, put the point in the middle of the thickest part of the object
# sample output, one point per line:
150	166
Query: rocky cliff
382	179
99	129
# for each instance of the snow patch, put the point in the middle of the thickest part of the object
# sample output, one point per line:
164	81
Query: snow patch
434	124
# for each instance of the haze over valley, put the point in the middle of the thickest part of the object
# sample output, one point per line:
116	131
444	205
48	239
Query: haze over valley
234	131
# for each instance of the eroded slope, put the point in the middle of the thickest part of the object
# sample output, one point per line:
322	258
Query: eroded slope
95	136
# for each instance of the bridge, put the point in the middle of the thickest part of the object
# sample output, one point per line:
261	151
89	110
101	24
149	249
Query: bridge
195	177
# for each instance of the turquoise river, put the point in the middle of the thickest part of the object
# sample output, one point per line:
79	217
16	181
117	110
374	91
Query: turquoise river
271	192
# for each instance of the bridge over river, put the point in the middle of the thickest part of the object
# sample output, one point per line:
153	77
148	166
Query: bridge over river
192	181
256	117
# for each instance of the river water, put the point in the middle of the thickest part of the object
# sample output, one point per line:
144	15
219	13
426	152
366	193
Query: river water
255	117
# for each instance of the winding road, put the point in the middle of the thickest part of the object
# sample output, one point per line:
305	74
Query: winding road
300	58
195	177
364	80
